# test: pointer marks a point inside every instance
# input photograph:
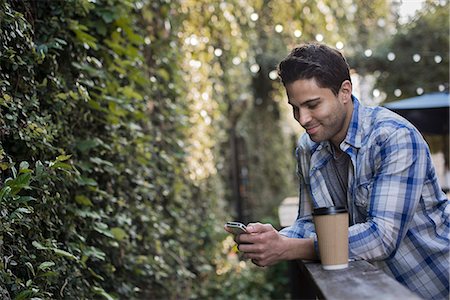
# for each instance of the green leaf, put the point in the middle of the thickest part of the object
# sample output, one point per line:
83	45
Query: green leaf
100	161
100	291
7	97
96	105
39	168
84	213
62	96
83	200
107	16
60	165
4	192
99	277
26	294
82	35
96	253
24	199
21	210
63	157
164	74
5	165
48	274
46	265
130	93
30	266
103	229
19	183
119	233
86	181
38	245
23	180
64	253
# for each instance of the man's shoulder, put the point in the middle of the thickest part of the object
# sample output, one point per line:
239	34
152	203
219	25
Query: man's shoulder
379	124
378	116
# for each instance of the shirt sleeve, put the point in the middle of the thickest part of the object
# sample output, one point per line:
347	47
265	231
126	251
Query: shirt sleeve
398	166
303	226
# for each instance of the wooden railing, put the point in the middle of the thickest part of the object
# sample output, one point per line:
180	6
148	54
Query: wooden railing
361	280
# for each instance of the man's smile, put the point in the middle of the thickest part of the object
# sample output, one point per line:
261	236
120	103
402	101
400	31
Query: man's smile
312	129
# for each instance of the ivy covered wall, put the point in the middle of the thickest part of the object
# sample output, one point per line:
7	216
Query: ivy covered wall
102	192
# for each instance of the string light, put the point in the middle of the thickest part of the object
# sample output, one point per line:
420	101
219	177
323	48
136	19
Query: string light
391	56
381	22
254	68
416	58
273	74
236	60
254	17
279	28
218	52
419	91
376	93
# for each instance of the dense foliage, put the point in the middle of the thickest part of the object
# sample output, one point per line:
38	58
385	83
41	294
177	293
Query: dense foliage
95	197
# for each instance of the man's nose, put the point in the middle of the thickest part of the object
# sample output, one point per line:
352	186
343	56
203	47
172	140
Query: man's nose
304	117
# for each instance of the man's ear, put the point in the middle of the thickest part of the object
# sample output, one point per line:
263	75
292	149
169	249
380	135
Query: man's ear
346	90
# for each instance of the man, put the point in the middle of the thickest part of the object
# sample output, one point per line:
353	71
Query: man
369	160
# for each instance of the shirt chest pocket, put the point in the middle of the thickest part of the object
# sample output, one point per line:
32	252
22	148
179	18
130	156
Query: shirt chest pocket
361	202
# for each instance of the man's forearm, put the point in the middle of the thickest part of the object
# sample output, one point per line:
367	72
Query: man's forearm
294	248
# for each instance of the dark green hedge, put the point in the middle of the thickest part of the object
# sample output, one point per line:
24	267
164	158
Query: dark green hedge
94	199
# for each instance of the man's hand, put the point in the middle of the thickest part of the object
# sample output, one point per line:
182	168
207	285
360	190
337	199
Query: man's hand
262	244
265	246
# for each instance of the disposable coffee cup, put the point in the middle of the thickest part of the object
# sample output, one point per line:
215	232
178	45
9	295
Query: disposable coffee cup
332	235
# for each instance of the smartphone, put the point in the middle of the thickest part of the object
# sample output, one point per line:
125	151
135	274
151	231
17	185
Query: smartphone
236	227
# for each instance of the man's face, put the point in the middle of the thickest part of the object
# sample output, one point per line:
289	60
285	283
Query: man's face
318	110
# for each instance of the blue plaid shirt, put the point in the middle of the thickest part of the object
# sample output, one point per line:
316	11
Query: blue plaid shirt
399	214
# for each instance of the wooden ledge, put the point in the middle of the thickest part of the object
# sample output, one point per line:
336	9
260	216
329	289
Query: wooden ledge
361	280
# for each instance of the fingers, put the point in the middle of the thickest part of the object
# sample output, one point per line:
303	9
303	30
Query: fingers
249	248
262	234
257	244
259	259
258	227
226	228
258	263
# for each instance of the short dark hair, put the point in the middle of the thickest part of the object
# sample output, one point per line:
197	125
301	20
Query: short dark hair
326	65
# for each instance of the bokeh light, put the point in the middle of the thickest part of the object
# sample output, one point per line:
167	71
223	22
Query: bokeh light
391	56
